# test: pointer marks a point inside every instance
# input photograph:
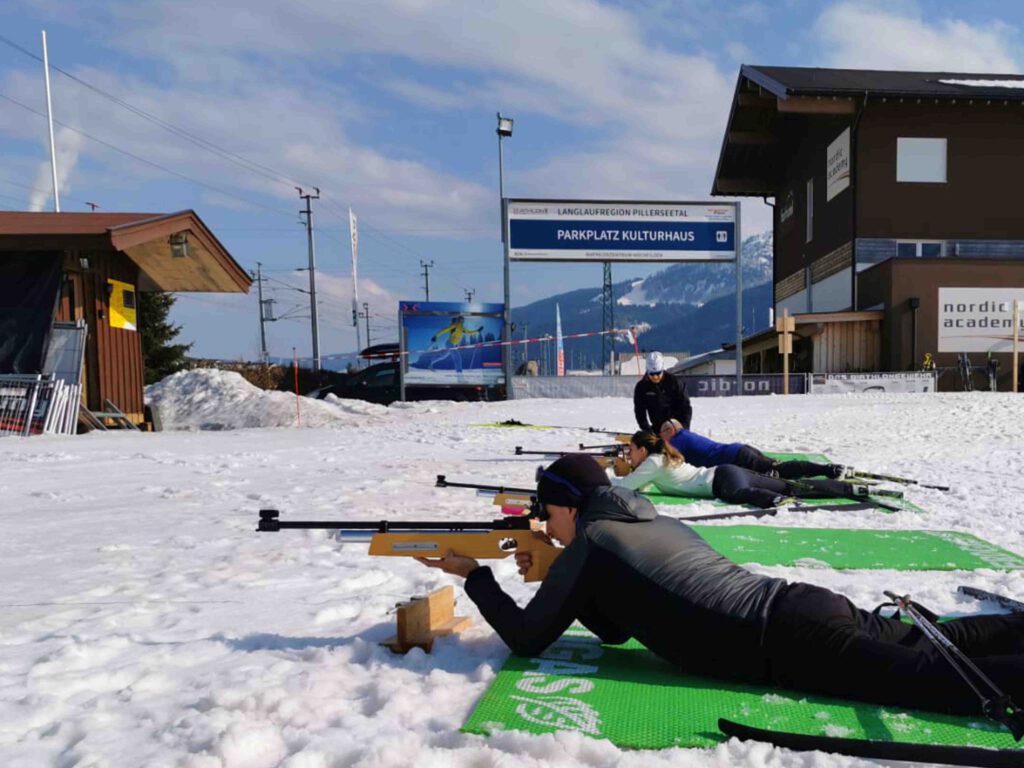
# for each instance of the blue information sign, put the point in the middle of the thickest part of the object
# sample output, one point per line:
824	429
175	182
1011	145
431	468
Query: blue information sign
573	230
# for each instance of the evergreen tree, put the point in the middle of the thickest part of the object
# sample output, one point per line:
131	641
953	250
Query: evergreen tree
159	356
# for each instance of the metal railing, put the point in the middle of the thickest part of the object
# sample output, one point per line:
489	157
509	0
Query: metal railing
35	404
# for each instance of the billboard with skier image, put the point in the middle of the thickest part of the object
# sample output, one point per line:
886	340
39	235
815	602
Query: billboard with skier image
451	342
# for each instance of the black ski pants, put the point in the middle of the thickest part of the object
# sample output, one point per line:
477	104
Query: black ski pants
751	458
820	642
741	486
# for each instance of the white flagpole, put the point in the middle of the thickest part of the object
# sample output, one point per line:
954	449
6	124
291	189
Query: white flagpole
49	118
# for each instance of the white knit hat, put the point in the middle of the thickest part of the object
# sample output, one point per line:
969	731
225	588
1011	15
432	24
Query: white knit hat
655	363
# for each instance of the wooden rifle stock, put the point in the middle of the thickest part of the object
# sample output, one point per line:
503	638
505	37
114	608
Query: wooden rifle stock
485	545
495	539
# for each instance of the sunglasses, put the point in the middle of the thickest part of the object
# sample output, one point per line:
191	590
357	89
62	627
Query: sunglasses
538	507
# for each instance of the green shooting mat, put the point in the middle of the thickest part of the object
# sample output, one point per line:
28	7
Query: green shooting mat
819	458
629	696
859	549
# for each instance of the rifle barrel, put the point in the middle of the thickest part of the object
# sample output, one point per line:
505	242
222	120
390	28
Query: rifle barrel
520	452
442	482
269	522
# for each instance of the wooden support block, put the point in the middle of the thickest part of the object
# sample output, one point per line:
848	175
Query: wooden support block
423	620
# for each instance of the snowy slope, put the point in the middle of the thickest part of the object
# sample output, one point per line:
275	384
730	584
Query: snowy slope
145	623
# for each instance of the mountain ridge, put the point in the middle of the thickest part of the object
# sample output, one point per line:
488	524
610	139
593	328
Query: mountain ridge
687	307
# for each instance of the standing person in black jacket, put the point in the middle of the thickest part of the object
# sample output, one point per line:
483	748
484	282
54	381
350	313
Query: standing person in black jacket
627	571
659	396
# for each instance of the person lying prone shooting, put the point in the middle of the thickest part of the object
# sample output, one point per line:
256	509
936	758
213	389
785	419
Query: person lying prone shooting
655	463
628	572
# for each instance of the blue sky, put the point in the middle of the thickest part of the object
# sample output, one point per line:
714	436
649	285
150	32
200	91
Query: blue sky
389	107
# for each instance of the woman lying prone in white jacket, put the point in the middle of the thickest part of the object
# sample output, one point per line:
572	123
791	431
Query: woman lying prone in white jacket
655	463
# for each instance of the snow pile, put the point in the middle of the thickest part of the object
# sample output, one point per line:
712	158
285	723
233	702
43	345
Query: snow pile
207	398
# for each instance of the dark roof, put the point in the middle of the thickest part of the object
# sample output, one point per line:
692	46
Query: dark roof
46	223
142	237
773	103
814	81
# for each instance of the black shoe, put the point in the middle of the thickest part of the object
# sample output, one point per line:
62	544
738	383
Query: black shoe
835	472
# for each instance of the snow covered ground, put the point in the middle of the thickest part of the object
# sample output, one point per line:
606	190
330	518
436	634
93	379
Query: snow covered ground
145	623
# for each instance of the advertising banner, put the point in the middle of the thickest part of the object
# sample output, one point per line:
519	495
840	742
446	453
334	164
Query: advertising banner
606	230
720	385
843	383
837	165
559	346
353	230
978	319
451	343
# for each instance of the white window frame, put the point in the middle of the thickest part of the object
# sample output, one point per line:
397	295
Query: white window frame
810	210
917	246
917	160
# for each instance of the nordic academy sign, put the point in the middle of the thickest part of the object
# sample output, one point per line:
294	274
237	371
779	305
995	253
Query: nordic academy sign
606	230
977	319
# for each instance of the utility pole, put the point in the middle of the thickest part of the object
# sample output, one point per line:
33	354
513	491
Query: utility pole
263	332
313	316
93	206
526	343
469	295
366	314
426	276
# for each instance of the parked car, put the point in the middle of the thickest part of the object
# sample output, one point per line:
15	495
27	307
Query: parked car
379	384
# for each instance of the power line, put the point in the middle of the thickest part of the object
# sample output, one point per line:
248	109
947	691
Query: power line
209	146
34	189
147	162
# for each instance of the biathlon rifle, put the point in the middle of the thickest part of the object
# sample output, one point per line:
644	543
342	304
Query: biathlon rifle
481	540
606	457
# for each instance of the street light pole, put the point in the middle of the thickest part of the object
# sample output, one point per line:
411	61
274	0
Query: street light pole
504	131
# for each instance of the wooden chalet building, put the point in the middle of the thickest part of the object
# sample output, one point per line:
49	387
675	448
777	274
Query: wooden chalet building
893	192
88	267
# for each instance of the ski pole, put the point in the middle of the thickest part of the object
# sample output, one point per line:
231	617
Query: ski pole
896	479
873	498
1001	708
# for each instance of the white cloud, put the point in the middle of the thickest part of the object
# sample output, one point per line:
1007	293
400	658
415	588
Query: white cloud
68	144
651	117
871	36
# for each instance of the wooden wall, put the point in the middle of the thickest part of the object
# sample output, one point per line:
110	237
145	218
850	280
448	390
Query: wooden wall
113	356
848	347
